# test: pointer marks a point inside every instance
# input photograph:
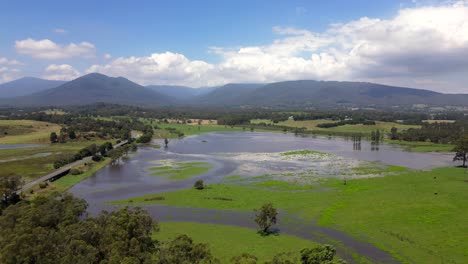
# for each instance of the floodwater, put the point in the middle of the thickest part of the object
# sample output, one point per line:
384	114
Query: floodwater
16	146
248	154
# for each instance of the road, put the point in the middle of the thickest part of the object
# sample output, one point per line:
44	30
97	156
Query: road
59	172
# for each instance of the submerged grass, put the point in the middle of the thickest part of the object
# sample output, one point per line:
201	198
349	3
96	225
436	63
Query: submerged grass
181	170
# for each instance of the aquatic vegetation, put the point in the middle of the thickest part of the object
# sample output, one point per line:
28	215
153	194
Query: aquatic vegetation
302	152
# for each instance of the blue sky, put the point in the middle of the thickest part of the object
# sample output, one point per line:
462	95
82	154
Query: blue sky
198	43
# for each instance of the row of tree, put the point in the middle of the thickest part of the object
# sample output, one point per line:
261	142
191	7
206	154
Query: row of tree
439	132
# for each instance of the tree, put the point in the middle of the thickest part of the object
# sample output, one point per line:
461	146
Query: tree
53	229
72	135
320	254
199	185
284	258
183	250
461	150
266	217
394	133
244	258
9	185
53	137
166	142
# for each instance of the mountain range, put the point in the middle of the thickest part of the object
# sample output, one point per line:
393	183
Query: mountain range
95	87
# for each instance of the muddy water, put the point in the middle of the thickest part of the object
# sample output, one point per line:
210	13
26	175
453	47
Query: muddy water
251	154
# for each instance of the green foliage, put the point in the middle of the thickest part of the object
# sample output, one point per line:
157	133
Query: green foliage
266	217
461	150
75	171
43	185
52	230
53	137
244	258
320	254
9	185
199	185
184	251
284	258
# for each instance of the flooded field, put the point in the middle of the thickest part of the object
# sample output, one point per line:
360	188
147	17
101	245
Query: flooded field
248	155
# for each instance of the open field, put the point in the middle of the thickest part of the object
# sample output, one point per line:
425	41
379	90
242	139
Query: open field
422	146
414	215
26	131
31	163
228	241
189	130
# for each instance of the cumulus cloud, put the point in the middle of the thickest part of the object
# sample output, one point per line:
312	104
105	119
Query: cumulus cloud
63	72
419	43
107	56
168	67
47	49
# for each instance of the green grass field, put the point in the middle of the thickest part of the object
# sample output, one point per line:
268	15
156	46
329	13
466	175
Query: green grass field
228	241
26	131
422	146
189	130
67	181
418	216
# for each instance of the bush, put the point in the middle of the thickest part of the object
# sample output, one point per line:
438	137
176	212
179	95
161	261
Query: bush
43	185
96	158
75	171
199	185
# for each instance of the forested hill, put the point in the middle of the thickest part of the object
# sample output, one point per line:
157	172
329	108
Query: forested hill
331	93
26	86
94	88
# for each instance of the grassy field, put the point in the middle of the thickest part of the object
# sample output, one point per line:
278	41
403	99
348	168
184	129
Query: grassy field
418	216
228	241
26	131
31	163
180	170
189	130
422	146
363	129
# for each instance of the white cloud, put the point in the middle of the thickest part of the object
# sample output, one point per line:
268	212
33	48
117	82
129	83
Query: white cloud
47	49
6	61
168	67
8	74
60	31
107	56
60	72
419	43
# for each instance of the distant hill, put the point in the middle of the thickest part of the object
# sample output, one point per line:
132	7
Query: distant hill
331	93
94	88
180	92
229	94
26	86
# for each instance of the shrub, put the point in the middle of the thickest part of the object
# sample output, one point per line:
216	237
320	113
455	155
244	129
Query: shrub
96	158
75	171
199	185
43	185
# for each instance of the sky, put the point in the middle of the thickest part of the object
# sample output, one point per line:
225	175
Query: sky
412	43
